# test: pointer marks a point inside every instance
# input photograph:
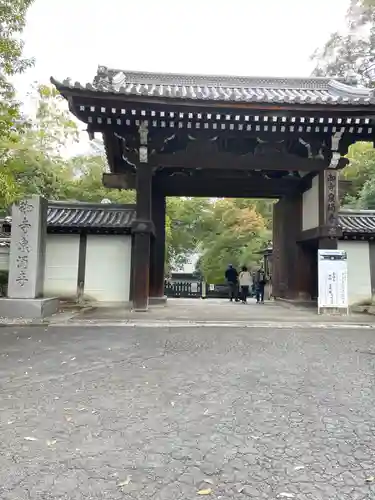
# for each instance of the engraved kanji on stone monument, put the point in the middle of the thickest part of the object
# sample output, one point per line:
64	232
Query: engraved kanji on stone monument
23	245
22	261
26	262
25	207
25	224
22	278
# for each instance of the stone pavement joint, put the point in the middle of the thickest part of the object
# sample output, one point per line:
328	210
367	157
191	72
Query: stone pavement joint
209	324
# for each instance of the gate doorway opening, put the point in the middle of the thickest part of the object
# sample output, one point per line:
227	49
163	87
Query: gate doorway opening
206	235
221	136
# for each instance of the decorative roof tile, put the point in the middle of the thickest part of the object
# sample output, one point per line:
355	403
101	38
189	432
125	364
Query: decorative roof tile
89	215
357	221
222	88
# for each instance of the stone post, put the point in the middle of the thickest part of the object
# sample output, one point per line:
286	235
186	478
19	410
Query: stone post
26	263
27	249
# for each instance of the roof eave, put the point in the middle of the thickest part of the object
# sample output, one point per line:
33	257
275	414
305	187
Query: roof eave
69	92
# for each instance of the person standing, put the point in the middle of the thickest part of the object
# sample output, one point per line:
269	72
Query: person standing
245	283
260	278
231	276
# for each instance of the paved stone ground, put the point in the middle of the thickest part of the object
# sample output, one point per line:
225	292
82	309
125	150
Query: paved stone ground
218	310
131	413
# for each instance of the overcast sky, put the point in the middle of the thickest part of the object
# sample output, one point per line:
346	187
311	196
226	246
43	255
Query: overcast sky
71	38
239	37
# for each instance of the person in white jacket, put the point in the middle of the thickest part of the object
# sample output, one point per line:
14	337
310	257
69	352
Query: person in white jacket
245	283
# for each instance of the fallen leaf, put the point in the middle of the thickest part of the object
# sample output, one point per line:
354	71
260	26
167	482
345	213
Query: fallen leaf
370	479
207	491
299	467
51	443
68	419
126	482
30	438
286	495
240	489
208	481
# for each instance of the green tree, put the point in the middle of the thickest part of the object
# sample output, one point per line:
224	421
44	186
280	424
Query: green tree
353	50
233	231
361	166
82	181
52	128
12	23
220	231
31	158
186	219
366	198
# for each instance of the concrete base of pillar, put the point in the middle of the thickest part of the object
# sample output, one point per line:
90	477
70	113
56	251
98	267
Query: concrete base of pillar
28	308
157	301
139	310
334	311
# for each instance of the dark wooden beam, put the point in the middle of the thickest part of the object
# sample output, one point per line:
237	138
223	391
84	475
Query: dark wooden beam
322	232
224	193
202	159
230	188
306	181
119	181
212	183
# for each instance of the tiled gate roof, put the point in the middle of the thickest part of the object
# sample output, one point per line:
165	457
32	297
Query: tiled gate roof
357	221
223	88
89	215
65	216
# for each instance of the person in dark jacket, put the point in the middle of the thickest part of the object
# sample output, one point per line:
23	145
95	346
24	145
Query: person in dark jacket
231	276
260	282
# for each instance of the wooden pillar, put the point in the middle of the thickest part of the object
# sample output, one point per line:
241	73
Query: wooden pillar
157	258
291	260
142	228
327	244
277	251
372	266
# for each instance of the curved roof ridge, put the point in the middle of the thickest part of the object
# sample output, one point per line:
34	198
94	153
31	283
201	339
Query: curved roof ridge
356	211
60	204
213	80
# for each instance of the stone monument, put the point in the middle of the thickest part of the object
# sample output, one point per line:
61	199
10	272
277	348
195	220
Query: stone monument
26	263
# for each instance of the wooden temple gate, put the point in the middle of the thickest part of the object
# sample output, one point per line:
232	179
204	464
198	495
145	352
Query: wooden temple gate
184	135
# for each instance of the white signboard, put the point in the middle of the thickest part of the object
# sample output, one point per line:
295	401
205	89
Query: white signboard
194	287
332	279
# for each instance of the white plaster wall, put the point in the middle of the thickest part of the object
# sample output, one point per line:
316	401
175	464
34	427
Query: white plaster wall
108	268
359	278
61	265
310	206
4	258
